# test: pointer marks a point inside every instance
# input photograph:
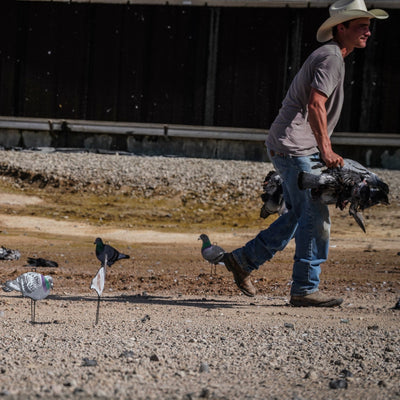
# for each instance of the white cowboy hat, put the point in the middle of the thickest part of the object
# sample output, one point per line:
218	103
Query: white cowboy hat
346	10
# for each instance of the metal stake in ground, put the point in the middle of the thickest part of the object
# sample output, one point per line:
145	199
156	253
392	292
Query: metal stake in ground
33	304
33	311
98	285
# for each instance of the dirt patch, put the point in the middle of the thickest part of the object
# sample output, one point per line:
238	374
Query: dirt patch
171	327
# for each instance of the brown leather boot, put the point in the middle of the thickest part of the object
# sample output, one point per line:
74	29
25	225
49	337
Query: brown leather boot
242	278
315	299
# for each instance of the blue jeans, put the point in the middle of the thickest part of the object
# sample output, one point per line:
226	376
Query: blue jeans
307	221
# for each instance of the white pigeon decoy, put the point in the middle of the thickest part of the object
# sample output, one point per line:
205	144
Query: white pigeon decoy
31	284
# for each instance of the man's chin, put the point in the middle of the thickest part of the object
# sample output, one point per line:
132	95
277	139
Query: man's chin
361	45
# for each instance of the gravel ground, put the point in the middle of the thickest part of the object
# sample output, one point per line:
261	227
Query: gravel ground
163	345
152	175
166	347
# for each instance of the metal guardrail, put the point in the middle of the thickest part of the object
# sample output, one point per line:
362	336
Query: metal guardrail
181	131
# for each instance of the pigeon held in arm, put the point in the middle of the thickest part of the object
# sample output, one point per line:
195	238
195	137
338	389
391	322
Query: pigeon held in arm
105	250
351	184
211	252
272	196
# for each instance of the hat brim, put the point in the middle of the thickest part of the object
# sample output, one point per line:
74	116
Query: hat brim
324	32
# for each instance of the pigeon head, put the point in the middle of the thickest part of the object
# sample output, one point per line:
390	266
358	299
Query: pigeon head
49	281
98	242
205	239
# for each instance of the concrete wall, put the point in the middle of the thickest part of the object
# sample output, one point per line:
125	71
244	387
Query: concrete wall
378	151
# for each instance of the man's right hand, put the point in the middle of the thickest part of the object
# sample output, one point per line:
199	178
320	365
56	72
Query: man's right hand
332	160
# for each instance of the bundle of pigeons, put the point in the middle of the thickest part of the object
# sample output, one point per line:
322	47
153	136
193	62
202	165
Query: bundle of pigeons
351	184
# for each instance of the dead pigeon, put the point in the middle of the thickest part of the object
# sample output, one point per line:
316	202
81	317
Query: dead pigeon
8	254
272	196
352	183
41	262
211	252
31	284
105	250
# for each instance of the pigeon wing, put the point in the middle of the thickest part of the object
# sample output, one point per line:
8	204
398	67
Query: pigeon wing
11	285
213	254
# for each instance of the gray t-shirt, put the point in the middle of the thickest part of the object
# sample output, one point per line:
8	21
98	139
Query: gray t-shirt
323	70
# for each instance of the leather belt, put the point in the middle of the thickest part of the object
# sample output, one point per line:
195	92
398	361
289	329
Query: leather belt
277	153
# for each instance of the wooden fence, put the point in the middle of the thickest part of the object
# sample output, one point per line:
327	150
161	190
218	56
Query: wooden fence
214	66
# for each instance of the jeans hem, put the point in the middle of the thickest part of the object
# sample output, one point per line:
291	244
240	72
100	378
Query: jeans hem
245	267
304	293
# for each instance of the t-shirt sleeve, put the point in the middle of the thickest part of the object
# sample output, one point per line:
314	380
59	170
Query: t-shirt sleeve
327	74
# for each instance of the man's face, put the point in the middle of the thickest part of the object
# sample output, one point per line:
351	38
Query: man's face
357	33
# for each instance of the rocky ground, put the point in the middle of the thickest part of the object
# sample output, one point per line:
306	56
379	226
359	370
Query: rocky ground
169	326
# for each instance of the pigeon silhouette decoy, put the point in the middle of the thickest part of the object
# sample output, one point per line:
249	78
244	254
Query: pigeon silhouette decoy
105	250
41	262
211	252
31	284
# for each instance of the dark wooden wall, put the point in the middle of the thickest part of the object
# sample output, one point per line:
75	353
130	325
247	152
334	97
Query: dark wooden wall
181	65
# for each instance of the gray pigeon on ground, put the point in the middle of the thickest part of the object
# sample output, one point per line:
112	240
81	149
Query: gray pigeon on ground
8	254
105	250
31	284
211	252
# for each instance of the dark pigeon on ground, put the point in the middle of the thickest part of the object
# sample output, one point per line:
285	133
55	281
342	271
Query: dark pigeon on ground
104	251
41	262
211	252
351	184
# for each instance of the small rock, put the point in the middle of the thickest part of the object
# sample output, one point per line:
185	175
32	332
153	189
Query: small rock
154	357
70	383
145	318
373	327
357	356
205	393
345	373
127	354
204	367
86	362
338	384
288	325
311	375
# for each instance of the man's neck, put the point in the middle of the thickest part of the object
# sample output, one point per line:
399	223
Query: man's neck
343	48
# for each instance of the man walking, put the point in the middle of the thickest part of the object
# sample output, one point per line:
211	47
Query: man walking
298	139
